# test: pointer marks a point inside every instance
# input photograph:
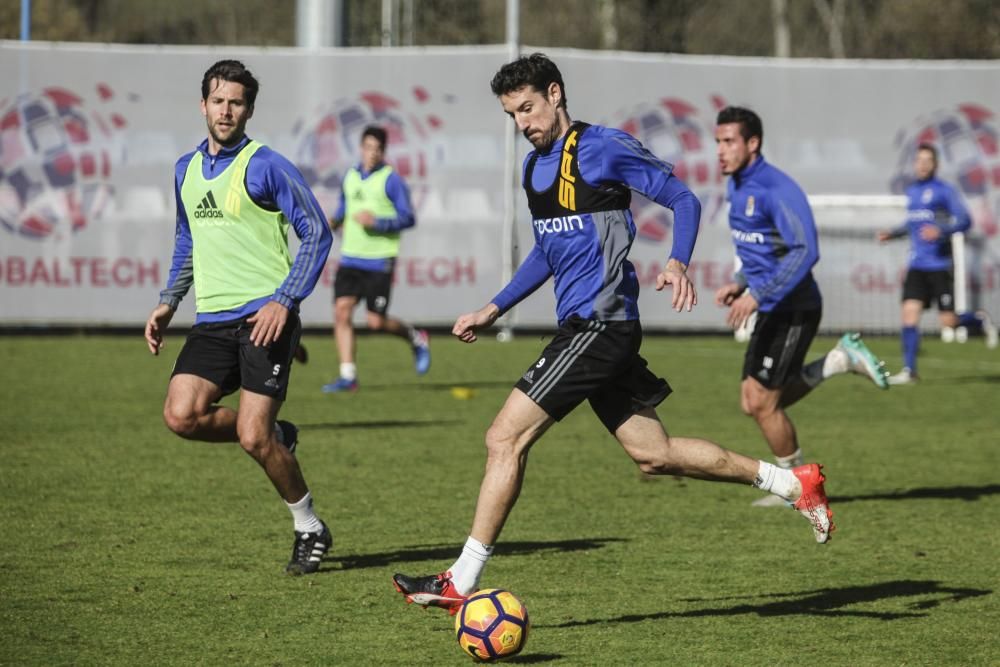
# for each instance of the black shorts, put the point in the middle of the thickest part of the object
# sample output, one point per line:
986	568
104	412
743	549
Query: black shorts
778	346
599	362
221	352
930	287
372	286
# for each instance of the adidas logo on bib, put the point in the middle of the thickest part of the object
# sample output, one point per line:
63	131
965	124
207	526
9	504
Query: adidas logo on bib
208	208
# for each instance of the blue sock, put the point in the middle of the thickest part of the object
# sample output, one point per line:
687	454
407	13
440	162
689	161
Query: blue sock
971	321
911	344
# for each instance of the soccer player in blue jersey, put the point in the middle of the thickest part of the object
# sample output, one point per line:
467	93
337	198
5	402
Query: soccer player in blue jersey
374	208
934	212
775	237
235	201
578	180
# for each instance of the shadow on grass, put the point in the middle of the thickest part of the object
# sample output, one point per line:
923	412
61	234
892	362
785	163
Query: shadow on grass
530	658
451	551
967	379
823	602
968	493
378	423
447	386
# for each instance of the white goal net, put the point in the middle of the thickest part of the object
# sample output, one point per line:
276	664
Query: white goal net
861	279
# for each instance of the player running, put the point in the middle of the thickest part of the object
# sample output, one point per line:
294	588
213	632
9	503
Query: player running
235	201
578	181
775	238
374	208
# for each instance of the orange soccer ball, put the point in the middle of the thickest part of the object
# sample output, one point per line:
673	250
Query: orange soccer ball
492	624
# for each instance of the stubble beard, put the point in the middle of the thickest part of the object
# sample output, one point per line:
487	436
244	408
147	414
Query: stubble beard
235	136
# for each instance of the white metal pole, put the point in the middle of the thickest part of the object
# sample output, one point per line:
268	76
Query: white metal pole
319	23
509	251
961	284
389	37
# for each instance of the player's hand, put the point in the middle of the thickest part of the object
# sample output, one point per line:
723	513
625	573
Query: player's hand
156	325
466	325
364	218
268	322
675	275
726	294
883	236
741	309
930	232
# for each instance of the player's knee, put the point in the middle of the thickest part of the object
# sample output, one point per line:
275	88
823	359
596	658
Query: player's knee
662	461
758	407
375	322
501	443
181	422
256	442
342	313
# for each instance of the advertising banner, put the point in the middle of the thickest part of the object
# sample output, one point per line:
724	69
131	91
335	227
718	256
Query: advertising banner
89	136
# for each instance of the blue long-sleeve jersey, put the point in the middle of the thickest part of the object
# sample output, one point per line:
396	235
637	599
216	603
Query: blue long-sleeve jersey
399	194
775	237
932	202
587	253
273	183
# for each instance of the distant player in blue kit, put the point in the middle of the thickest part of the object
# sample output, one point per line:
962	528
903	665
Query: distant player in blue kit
775	237
934	212
236	199
578	181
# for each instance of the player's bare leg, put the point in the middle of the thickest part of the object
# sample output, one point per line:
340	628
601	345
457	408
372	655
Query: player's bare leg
657	453
255	426
765	406
418	339
518	425
190	410
343	333
257	437
646	441
343	328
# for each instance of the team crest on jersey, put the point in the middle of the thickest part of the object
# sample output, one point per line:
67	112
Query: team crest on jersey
926	196
750	206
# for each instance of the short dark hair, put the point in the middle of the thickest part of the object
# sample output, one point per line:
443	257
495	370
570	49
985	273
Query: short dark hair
749	122
235	71
930	148
535	70
377	133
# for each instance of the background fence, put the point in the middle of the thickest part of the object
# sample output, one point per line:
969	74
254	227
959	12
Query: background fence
89	135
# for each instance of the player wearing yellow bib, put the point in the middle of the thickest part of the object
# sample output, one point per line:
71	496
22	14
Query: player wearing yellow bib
235	202
374	208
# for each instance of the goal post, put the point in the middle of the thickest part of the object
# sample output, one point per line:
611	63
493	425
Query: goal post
861	279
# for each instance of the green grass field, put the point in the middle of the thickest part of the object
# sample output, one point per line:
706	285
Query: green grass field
124	545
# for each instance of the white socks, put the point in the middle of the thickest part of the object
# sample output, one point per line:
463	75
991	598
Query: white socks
779	481
306	520
465	572
349	371
793	460
833	363
414	335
